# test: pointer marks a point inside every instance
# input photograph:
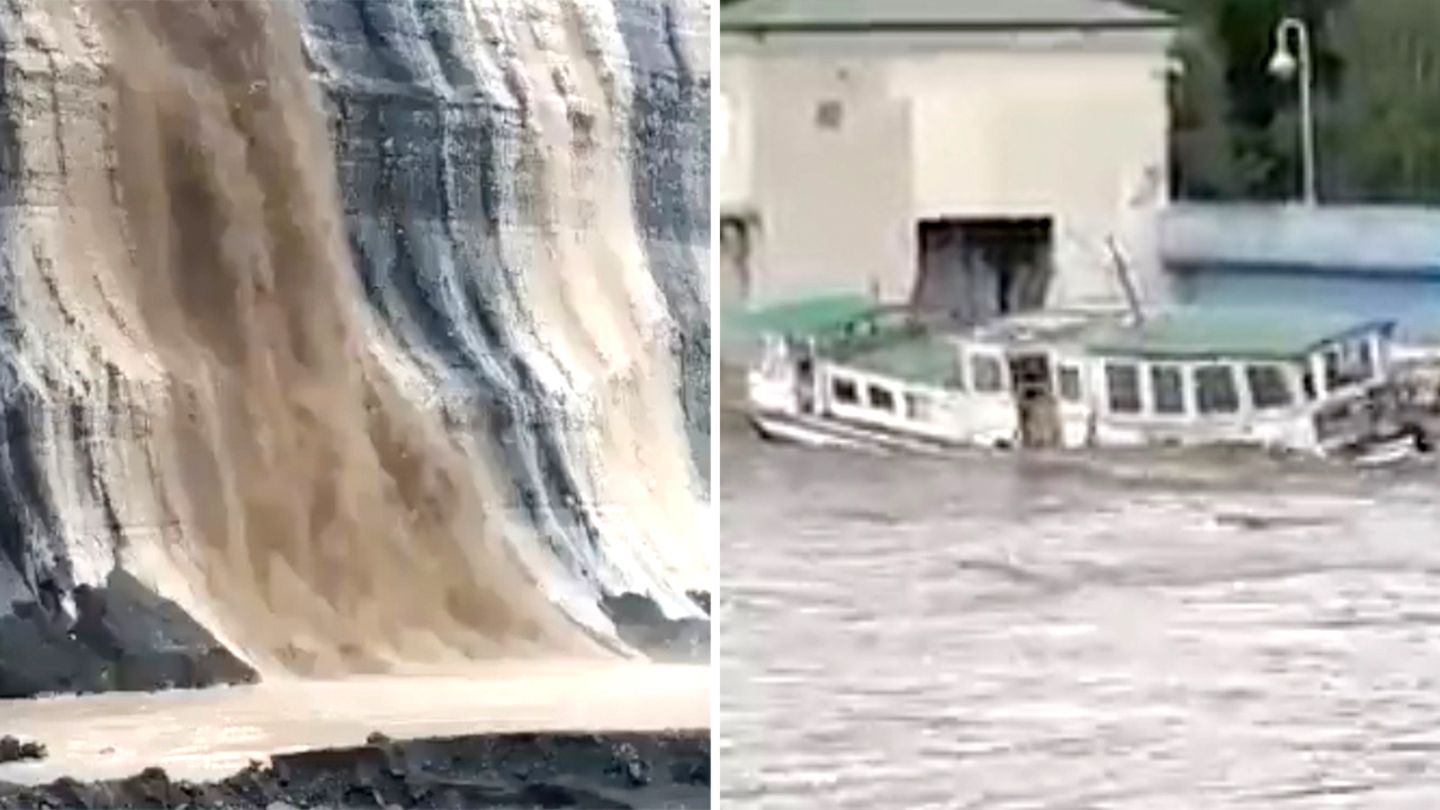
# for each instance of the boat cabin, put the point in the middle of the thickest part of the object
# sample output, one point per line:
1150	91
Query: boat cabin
1301	381
1296	380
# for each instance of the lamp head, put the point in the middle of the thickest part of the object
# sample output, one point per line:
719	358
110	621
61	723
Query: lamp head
1283	65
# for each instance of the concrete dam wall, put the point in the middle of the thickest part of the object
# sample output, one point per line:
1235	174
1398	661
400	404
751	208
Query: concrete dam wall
347	336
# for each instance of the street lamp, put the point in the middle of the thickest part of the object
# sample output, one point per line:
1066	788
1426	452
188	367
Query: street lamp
1283	65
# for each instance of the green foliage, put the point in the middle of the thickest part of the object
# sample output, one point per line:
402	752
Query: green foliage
1234	133
1236	128
1384	127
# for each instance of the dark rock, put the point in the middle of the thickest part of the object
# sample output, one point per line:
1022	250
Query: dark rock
151	787
14	750
690	773
125	637
630	766
701	598
643	626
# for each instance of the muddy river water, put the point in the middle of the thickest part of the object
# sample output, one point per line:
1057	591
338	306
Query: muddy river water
1130	631
209	734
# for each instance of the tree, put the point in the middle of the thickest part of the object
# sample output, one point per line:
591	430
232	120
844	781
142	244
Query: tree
1382	131
1233	124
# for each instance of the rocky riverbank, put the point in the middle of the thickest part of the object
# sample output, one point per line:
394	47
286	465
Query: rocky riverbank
623	770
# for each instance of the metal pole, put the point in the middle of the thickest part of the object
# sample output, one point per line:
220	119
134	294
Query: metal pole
1307	111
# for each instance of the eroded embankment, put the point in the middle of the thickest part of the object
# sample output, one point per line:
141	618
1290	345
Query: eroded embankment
414	392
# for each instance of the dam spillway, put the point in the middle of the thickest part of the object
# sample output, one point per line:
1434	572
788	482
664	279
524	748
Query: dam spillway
346	336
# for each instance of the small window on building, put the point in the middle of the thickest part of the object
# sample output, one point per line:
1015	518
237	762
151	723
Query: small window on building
1167	386
1070	383
1122	383
829	114
1268	387
845	391
1215	390
881	398
919	407
986	374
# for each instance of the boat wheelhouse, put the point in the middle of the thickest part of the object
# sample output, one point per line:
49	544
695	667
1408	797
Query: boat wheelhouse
1276	378
838	371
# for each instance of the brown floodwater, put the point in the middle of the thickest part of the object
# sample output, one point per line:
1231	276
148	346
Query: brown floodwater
1127	631
211	733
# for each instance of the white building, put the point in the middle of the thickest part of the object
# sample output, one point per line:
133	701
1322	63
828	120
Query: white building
975	155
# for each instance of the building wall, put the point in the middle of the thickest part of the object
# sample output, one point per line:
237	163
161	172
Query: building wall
1411	298
1371	261
1068	126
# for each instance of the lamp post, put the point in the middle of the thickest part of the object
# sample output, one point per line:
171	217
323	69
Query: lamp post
1283	65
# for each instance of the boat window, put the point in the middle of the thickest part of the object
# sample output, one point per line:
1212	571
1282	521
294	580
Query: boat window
1215	390
880	397
986	374
1070	383
1122	381
956	379
1307	383
1167	387
1349	363
1268	387
918	407
845	391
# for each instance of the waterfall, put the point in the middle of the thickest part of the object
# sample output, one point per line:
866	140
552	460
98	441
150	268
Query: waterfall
357	335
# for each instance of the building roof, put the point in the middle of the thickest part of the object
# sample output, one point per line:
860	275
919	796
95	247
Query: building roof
912	15
1259	332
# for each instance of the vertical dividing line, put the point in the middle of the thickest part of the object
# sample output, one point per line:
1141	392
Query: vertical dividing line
715	471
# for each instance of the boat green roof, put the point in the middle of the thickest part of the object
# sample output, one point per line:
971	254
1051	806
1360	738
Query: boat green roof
1240	333
916	358
805	317
842	15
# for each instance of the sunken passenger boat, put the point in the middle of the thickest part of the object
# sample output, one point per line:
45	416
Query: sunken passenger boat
843	371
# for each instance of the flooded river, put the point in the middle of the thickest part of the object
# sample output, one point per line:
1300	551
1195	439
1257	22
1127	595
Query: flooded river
1126	632
211	733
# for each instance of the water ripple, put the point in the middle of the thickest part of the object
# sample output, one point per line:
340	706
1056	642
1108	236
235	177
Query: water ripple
1010	633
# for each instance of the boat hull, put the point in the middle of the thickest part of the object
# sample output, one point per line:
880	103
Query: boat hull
815	431
819	431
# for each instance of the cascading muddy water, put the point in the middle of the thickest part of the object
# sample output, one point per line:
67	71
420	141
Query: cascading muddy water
430	406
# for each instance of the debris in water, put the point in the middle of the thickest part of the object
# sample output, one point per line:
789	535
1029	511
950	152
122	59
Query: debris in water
14	750
1256	523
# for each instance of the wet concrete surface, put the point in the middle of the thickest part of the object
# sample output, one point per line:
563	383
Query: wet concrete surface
1128	631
